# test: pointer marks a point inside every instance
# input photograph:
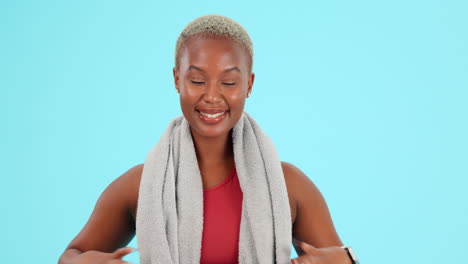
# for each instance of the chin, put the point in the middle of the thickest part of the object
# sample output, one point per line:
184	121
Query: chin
210	131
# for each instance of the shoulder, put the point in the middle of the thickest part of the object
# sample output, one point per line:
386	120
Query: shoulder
296	179
303	189
132	176
129	185
290	171
124	189
313	223
128	181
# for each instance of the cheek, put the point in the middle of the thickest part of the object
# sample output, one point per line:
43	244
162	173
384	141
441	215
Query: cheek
237	100
186	89
186	102
188	94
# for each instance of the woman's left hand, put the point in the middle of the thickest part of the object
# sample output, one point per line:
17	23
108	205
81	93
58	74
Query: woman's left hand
326	255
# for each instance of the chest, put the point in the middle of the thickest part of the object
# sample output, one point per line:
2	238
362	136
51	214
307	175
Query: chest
213	184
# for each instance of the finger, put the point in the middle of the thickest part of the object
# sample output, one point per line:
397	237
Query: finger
308	248
303	245
118	261
297	246
296	242
121	252
303	260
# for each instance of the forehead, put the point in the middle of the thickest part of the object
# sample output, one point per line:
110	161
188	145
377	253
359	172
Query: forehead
211	53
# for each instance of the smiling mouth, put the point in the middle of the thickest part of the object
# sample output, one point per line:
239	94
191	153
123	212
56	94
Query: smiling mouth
212	116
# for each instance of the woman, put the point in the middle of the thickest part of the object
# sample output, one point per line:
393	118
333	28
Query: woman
213	75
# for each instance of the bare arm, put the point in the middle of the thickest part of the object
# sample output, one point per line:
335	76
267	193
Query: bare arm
111	225
313	223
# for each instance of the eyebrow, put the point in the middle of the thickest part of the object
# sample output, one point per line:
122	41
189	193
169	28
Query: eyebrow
193	67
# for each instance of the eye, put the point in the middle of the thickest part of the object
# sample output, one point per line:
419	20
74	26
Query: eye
198	82
227	83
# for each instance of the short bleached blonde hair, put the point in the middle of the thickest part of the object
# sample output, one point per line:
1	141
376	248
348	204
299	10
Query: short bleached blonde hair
216	26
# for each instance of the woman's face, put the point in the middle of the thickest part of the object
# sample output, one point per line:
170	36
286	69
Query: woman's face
213	79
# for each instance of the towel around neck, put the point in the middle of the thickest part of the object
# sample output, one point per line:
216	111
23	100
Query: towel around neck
169	221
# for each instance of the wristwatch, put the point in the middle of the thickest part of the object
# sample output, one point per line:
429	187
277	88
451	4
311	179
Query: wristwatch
351	254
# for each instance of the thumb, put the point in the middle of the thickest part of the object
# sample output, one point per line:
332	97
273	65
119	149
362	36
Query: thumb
306	247
121	252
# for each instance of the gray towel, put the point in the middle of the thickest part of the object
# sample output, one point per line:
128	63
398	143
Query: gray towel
169	221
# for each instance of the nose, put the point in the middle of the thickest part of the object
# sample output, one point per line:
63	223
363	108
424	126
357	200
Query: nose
213	93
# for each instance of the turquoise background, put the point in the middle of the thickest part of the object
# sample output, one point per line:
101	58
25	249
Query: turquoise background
368	98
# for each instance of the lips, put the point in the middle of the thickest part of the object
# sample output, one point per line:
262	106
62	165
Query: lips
211	115
211	111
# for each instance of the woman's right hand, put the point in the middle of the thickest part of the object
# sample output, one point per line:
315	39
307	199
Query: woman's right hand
98	257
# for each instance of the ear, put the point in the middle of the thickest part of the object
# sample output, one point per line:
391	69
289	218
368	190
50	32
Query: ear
250	83
175	73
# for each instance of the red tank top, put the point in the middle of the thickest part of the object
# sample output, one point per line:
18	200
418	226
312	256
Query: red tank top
222	210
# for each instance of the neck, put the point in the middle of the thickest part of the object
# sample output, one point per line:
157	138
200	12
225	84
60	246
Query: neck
213	151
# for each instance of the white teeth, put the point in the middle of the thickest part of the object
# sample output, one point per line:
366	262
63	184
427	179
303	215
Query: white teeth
212	115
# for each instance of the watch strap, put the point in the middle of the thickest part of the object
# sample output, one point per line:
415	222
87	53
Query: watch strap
351	254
